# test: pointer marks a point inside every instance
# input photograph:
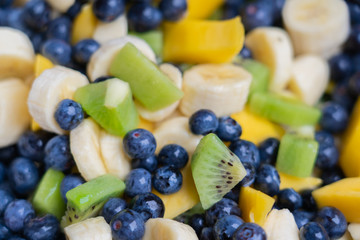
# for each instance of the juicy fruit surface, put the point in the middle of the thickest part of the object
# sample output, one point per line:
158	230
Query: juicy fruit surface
260	73
297	183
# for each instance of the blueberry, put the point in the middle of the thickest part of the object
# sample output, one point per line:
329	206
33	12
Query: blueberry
257	14
334	118
138	181
228	129
6	3
37	40
268	150
173	155
57	153
59	28
127	225
207	234
345	94
5	233
246	151
69	114
16	238
341	67
332	175
220	209
139	143
246	53
143	17
323	137
74	10
149	163
5	198
84	49
7	154
229	12
23	175
267	180
42	228
313	231
167	180
148	205
327	156
15	19
17	213
112	207
32	144
69	182
355	83
302	217
58	51
237	4
197	222
354	10
173	10
6	186
352	44
102	79
308	200
203	122
249	231
289	198
108	10
250	175
278	6
234	193
356	60
37	14
333	221
225	227
2	173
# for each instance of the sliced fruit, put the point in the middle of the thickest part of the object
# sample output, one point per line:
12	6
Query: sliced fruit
215	169
255	205
47	197
260	74
354	231
201	9
284	110
61	6
281	225
344	195
298	184
297	155
41	64
152	88
145	124
107	31
203	41
34	125
87	199
154	38
92	228
84	24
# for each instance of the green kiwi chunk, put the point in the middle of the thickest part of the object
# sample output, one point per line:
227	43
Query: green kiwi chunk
215	169
260	73
154	38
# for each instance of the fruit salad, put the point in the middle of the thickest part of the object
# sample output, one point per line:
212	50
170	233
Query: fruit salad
179	119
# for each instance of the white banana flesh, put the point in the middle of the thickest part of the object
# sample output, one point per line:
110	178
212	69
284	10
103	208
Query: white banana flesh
222	88
167	229
52	86
14	117
281	225
89	229
175	75
17	56
106	31
61	6
317	26
354	230
101	60
309	78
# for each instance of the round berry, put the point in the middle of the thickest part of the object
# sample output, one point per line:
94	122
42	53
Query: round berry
57	153
355	83
289	198
197	222
249	231
352	44
150	163
268	150
250	175
313	231
234	193
327	156
225	227
74	10
112	207
341	67
308	200
220	209
59	28
17	213
246	151
149	206
303	217
267	180
2	173
246	53
58	51
334	118
69	114
228	129
345	94
7	154
69	182
207	233
203	122
108	10
257	14
173	10
42	228
84	49
354	12
32	144
332	175
6	198
173	155
138	181
127	223
167	180
6	3
139	143
23	175
333	221
143	17
5	233
37	14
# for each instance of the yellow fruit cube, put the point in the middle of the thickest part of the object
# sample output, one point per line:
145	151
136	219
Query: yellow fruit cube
344	195
255	205
41	64
201	9
84	24
297	183
145	124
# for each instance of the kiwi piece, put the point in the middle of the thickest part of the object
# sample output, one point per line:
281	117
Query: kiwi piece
297	155
110	104
215	169
260	73
86	200
283	110
154	38
151	87
47	197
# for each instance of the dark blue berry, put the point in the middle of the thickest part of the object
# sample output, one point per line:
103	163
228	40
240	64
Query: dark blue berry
69	182
2	173
173	155
327	156
59	28
16	238
74	10
69	114
6	186
237	4
345	94
302	217
84	49
197	222
57	153
138	181
37	40
267	180
313	231
278	6
308	200
17	213
102	79
5	198
229	11
341	67
352	44
324	138
150	163
23	175
220	209
228	129
203	122
167	180
15	19
257	14
6	3
37	14
246	53
332	175
354	10
225	227
355	83
246	151
334	118
58	51
148	205
42	228
139	143
289	198
5	233
250	175
207	234
7	154
333	221
268	150
173	10
249	231
112	207
127	225
143	17
234	193
32	144
108	10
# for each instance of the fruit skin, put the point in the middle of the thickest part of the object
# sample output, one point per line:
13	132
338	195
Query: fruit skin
246	152
228	129
69	182
173	10
6	198
313	230
257	14
139	143
112	207
32	144
143	17
148	205
342	67
173	155
332	175
84	49
249	231
167	180
289	198
69	114
334	118
23	175
37	14
59	28
268	150
203	122
303	217
44	228
58	154
328	154
127	225
17	213
250	175
224	207
197	222
138	182
108	10
333	221
150	163
225	227
267	180
58	51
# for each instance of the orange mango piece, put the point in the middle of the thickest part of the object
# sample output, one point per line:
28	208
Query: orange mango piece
255	205
203	41
201	9
145	124
84	24
344	195
297	183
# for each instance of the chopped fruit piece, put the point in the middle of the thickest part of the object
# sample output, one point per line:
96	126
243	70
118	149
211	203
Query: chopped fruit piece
203	41
41	64
298	184
260	73
201	9
255	205
280	224
153	38
84	24
93	228
145	124
34	126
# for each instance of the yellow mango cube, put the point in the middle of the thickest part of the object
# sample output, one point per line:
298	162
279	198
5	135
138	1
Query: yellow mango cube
201	9
297	183
41	64
145	124
255	205
84	24
344	195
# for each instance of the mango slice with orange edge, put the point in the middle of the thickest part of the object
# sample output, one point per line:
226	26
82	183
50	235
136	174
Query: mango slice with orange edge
203	41
297	183
84	24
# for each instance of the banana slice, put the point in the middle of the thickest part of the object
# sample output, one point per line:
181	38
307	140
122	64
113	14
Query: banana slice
281	225
272	46
52	86
89	229
61	6
14	117
167	229
354	230
17	56
223	88
316	26
105	31
310	77
100	61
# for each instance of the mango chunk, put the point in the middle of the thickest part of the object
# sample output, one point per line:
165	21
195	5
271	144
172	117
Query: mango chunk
145	124
255	205
41	64
344	195
203	41
297	183
201	9
84	24
255	128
